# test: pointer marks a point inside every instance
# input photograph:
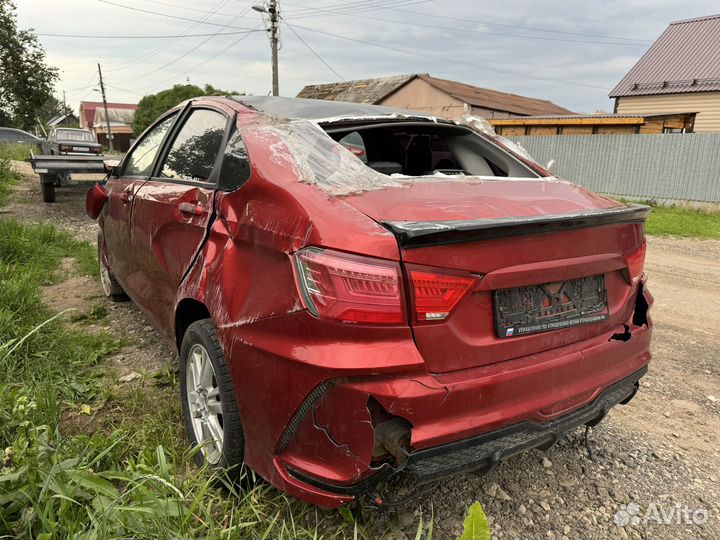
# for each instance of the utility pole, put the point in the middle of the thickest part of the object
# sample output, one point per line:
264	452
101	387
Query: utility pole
65	109
273	11
107	117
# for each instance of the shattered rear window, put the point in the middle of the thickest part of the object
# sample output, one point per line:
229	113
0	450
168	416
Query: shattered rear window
320	160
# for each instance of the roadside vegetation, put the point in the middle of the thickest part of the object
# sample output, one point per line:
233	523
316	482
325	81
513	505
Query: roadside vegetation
672	221
87	455
16	152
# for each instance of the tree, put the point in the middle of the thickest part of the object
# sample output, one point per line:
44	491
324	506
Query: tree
152	106
26	80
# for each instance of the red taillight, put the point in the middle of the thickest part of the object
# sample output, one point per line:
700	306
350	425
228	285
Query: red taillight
348	287
635	260
435	295
65	148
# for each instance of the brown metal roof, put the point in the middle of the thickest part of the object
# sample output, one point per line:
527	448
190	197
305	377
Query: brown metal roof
360	91
492	99
376	90
685	58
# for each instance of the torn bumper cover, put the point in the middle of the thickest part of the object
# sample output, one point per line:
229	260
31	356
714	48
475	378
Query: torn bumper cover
463	421
486	451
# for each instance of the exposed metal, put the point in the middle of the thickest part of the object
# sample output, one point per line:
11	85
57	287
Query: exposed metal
685	58
668	167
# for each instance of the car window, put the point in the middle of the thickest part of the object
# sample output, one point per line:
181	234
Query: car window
74	135
193	153
6	134
235	169
354	142
139	161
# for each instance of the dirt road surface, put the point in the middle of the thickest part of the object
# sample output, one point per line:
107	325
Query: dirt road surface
655	466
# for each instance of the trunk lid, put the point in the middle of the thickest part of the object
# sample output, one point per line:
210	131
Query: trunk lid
508	234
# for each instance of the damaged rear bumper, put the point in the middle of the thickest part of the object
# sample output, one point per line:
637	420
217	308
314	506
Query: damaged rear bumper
464	421
486	451
322	438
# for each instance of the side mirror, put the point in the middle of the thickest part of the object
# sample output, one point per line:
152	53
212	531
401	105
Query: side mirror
111	166
95	200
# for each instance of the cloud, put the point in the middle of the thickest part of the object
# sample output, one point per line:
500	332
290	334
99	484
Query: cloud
476	48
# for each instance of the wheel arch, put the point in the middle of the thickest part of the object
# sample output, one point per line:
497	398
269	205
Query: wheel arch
187	312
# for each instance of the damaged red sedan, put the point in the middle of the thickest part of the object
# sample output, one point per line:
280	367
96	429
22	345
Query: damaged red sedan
355	290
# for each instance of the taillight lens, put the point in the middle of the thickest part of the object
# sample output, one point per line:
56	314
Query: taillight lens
635	260
436	294
349	288
65	148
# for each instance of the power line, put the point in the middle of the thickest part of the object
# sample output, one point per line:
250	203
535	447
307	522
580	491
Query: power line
203	62
167	45
480	32
196	10
454	61
178	58
169	16
305	12
147	37
307	45
515	26
366	5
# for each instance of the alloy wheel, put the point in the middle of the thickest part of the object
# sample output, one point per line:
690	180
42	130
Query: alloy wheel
203	394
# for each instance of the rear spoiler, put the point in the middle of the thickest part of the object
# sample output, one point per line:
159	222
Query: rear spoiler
416	234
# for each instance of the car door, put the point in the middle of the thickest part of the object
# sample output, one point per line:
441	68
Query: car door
173	209
135	170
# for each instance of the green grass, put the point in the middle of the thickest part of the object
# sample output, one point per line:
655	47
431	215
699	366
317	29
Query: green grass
665	221
8	177
87	457
90	459
17	152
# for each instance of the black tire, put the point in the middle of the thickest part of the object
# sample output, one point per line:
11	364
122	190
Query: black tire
48	191
202	333
110	286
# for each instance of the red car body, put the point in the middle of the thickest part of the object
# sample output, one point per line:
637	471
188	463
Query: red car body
411	365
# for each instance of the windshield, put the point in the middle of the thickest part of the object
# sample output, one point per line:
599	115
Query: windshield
75	135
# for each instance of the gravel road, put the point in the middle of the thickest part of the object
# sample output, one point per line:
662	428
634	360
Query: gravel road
655	463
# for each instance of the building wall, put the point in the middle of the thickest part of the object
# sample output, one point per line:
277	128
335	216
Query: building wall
420	96
706	104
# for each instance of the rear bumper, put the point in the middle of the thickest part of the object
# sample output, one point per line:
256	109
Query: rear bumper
460	422
486	451
314	436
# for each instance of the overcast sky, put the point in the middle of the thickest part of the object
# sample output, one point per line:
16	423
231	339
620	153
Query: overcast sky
569	52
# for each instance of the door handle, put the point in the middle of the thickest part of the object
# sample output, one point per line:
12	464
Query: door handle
190	208
126	197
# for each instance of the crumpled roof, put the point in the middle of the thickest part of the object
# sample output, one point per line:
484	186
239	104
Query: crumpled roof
685	58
